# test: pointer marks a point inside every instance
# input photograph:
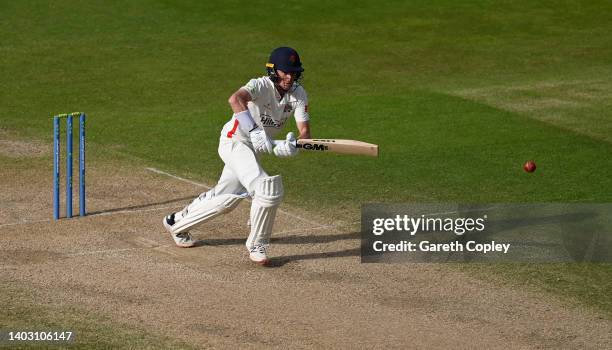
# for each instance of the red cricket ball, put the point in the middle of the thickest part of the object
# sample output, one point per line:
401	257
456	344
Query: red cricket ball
529	166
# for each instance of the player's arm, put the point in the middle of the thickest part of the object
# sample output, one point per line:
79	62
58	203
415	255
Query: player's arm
302	119
239	104
239	100
304	130
260	140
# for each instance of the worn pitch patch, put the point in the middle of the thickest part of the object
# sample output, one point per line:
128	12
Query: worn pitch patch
573	104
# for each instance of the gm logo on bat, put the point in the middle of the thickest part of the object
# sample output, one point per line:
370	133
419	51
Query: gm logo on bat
314	147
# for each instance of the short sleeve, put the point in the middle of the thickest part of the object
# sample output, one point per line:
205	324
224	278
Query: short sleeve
301	108
255	88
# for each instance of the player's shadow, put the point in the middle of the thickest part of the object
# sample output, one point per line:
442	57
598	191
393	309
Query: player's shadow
293	239
298	239
137	207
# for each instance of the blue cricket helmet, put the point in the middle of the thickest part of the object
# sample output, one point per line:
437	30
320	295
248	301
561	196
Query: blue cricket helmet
285	59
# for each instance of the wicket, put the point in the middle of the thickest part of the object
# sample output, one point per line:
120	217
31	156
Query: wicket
56	164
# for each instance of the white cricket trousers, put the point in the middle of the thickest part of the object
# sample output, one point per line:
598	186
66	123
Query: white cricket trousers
241	170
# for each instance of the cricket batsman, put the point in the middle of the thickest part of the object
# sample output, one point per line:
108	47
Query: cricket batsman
260	108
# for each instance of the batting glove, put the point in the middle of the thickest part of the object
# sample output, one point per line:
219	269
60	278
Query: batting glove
287	147
260	140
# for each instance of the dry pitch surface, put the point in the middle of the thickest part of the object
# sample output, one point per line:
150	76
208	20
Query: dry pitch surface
119	262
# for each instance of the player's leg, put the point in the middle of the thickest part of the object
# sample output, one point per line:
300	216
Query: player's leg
221	199
203	208
242	172
228	187
267	194
267	197
208	205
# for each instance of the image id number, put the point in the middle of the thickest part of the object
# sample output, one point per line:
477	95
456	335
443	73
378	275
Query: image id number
49	336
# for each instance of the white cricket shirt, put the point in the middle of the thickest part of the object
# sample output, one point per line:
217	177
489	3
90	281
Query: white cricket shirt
268	109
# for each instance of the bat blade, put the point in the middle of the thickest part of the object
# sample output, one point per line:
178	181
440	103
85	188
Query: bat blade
339	146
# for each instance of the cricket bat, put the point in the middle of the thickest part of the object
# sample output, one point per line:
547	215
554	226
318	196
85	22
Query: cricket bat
336	146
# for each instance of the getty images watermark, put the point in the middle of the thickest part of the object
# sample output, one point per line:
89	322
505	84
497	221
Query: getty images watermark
424	224
486	232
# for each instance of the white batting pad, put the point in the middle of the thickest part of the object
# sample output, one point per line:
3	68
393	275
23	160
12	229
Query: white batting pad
206	208
267	198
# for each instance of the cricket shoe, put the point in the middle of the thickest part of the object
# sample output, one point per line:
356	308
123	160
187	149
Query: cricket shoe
258	254
183	239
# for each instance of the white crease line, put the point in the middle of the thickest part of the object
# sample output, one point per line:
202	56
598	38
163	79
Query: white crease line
157	171
459	211
300	218
111	251
109	213
315	228
304	229
129	211
102	251
23	223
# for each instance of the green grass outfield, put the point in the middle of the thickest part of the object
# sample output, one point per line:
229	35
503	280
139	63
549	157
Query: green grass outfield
457	96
